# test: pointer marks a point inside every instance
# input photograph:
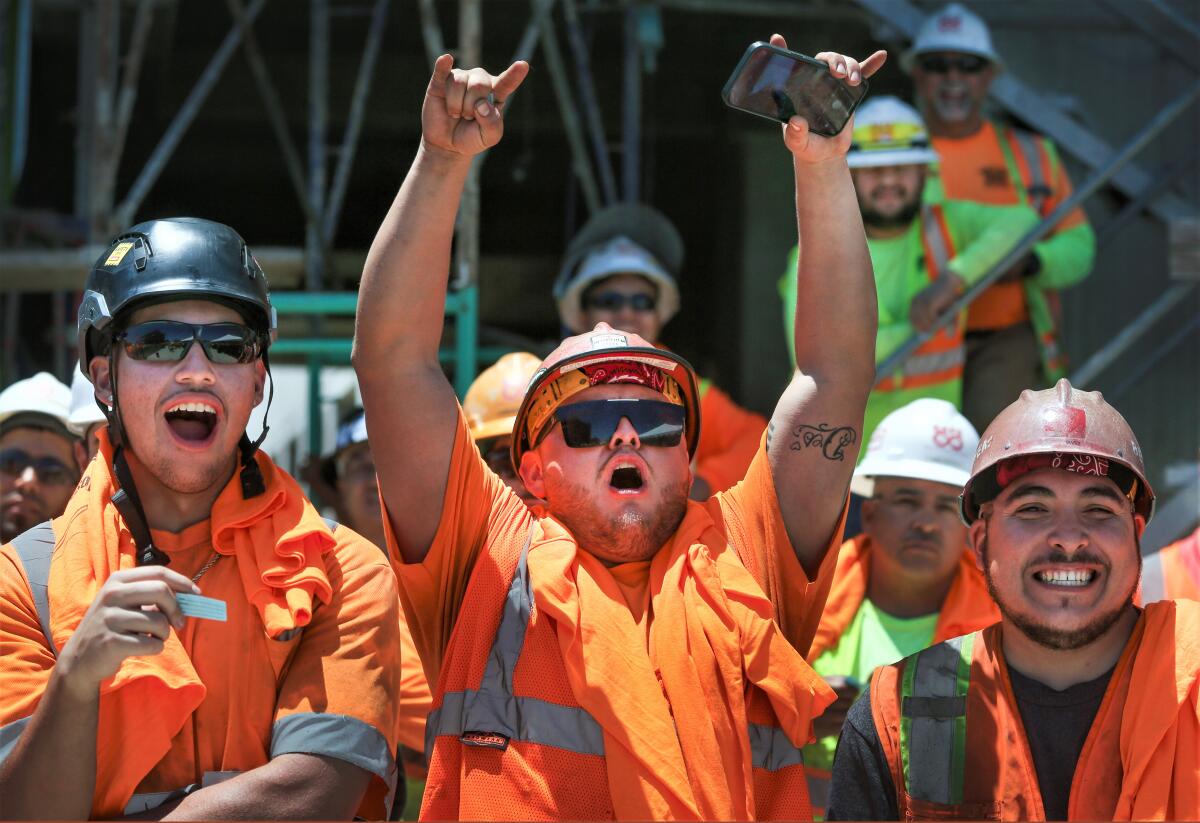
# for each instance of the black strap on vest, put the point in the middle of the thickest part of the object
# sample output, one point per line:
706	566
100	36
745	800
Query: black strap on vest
130	506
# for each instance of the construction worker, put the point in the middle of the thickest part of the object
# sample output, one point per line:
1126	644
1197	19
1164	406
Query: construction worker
621	269
40	454
491	405
1173	571
909	580
1077	705
350	486
272	695
1012	337
630	654
86	416
924	254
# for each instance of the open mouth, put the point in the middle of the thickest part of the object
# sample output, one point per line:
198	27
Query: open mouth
1066	578
192	422
626	479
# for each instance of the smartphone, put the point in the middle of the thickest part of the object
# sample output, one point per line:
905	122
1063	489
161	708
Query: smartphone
779	84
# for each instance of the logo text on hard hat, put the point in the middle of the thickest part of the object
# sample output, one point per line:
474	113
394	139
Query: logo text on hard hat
948	437
608	341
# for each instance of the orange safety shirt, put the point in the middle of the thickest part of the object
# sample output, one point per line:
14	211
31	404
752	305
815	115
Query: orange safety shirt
307	660
415	697
968	606
954	741
1173	572
728	438
570	690
975	168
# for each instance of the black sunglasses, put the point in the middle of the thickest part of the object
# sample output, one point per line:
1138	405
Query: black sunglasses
168	341
49	470
593	422
964	63
615	301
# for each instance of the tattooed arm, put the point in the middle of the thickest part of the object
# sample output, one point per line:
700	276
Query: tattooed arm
814	435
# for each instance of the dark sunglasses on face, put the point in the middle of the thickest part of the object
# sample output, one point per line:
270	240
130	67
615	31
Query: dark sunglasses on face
941	64
168	341
615	301
49	470
593	422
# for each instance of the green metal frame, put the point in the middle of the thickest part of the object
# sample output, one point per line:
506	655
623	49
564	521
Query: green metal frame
465	354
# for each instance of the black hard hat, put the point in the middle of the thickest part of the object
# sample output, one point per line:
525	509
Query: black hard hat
176	258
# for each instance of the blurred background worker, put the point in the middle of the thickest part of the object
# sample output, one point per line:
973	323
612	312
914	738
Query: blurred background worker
909	580
40	456
491	405
924	253
1173	571
1012	339
346	481
620	269
85	418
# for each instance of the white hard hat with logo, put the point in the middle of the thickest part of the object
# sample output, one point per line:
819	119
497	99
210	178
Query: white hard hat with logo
953	28
889	132
926	440
38	402
84	411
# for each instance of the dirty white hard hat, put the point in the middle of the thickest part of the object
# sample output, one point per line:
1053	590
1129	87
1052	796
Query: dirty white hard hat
38	402
926	440
952	28
619	255
889	132
84	411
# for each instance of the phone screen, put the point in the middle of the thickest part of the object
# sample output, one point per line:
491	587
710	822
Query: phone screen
778	85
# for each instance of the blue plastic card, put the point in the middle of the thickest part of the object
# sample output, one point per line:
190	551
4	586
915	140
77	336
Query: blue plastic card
206	608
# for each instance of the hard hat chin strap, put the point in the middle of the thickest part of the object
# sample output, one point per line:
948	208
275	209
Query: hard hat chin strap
252	479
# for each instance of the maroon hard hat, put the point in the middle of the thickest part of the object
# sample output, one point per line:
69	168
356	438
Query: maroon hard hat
603	345
1058	420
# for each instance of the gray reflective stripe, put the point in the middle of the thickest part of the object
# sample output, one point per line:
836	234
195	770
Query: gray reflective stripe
35	548
335	735
933	756
935	361
10	733
935	241
1038	188
151	800
1154	586
493	709
770	749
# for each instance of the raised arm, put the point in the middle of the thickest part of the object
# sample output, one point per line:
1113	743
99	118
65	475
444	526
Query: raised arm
411	408
813	437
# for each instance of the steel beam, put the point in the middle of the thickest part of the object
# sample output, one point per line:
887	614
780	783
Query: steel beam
1162	32
431	31
469	55
1023	101
591	109
631	103
556	70
183	119
533	30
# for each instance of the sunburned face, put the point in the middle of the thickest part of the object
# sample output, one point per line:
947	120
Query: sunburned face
1061	556
183	419
622	501
916	529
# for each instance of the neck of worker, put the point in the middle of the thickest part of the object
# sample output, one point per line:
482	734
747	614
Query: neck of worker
885	232
168	509
907	596
1062	668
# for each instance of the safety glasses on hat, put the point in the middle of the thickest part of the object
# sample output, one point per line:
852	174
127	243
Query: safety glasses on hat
49	470
170	340
941	64
593	422
615	301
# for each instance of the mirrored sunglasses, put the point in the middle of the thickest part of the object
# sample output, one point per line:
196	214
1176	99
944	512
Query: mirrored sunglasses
593	422
166	341
963	63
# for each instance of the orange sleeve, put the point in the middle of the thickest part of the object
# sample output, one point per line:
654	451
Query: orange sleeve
415	698
27	660
728	440
340	695
476	506
754	528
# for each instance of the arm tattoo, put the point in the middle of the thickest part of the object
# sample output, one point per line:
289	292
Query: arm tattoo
831	440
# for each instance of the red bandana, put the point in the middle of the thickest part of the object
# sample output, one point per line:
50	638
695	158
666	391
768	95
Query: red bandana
1086	464
625	372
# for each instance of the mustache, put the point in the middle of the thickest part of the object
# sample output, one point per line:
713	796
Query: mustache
1061	557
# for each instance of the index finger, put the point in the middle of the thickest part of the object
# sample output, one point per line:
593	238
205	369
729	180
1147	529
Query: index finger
173	579
509	80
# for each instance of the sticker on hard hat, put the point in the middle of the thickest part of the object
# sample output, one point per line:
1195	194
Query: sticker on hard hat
608	341
118	254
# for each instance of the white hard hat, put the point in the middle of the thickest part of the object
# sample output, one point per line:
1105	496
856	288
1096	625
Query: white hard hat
39	402
84	411
889	132
926	440
619	255
953	28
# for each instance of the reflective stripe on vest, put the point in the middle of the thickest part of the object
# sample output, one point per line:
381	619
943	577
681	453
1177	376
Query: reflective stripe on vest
146	801
937	248
933	720
1154	585
1037	187
10	733
34	549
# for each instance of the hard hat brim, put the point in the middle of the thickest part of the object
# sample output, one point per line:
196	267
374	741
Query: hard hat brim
863	481
890	157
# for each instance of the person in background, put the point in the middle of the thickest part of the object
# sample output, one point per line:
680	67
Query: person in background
621	269
909	580
86	417
1077	705
491	405
40	454
1012	336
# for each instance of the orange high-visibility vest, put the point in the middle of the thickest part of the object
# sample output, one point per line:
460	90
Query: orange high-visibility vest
940	359
507	738
1173	571
952	733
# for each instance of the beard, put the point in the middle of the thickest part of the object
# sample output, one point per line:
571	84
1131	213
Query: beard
897	220
632	535
1049	636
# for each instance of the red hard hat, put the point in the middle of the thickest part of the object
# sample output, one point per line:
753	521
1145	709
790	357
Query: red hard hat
604	344
1061	419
